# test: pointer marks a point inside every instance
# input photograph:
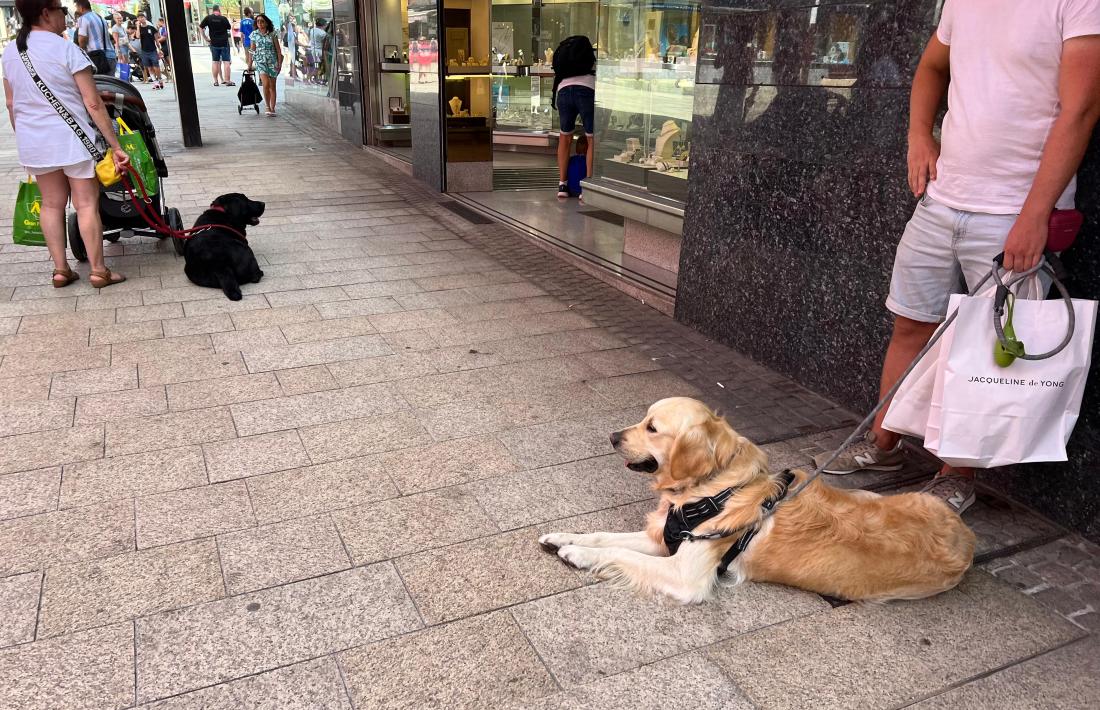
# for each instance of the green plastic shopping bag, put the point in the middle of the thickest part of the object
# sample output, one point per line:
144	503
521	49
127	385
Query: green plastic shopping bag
26	228
134	145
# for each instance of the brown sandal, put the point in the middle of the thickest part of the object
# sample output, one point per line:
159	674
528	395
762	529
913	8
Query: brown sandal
68	276
102	279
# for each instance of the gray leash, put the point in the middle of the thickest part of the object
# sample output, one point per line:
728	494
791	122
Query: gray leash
870	418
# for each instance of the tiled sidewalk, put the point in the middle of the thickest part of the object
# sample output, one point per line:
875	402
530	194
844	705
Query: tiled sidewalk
328	494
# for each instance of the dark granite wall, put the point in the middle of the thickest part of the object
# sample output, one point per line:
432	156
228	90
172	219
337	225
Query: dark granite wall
798	198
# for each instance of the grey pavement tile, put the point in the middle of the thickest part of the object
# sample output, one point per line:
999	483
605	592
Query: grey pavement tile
109	300
528	497
134	475
315	408
401	526
350	373
165	431
336	278
359	437
620	361
199	367
127	332
191	513
170	294
1063	678
123	404
506	309
218	391
357	307
182	348
88	594
410	340
569	439
38	306
9	325
227	639
523	349
39	541
220	304
310	295
92	669
284	552
26	389
303	380
318	489
512	379
19	595
29	492
437	465
475	663
312	685
505	328
106	379
379	289
274	317
411	320
328	329
65	360
689	681
643	388
484	574
599	630
50	448
254	455
315	353
17	417
889	655
508	291
160	311
218	323
25	343
438	283
240	340
438	299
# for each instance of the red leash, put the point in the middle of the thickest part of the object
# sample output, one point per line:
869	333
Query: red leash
155	221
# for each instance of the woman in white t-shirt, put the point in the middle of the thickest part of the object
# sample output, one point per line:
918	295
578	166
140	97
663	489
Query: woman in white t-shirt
48	148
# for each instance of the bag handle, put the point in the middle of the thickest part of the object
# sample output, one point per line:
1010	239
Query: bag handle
59	107
1002	295
124	129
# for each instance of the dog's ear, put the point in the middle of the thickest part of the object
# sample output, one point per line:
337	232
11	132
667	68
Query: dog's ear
702	449
727	444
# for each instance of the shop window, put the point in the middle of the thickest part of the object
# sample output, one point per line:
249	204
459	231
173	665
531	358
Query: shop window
645	87
391	120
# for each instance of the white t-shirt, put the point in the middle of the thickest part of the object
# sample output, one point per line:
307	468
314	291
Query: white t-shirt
41	137
588	80
1003	97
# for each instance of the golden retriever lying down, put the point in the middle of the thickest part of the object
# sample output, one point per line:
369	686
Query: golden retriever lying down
853	545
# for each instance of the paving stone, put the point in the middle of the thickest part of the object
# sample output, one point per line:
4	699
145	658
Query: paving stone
303	380
359	437
319	489
425	521
29	492
449	281
311	295
134	475
200	367
222	390
475	663
254	455
568	440
221	305
1060	601
886	655
621	361
75	358
191	513
50	448
96	408
313	685
520	499
223	640
93	669
328	329
481	575
160	311
406	340
197	426
218	323
411	320
314	408
240	340
39	541
284	552
643	388
100	592
318	353
19	596
106	379
437	299
26	343
688	681
127	332
274	317
37	306
1063	678
350	373
183	348
1019	577
423	468
512	379
25	389
505	328
357	307
1058	574
109	300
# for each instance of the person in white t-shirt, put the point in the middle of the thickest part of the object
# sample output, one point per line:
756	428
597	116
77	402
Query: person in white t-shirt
1023	95
47	147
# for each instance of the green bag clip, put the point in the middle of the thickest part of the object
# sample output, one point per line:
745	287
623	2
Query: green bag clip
1005	356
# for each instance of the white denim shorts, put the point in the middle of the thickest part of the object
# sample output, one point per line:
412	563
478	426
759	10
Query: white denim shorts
83	169
943	251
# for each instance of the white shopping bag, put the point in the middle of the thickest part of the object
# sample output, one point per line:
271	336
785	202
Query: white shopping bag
990	416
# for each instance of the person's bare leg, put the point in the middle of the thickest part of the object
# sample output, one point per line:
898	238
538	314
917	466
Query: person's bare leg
55	196
216	71
907	340
591	152
85	195
565	142
226	72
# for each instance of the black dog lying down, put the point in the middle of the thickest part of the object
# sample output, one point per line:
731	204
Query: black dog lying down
218	258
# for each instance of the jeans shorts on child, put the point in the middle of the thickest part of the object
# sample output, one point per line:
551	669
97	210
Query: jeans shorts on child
83	169
944	251
574	101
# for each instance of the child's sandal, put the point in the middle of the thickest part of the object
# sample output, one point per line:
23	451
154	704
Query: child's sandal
102	279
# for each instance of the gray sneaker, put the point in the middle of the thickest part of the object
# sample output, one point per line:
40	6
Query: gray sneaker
955	490
863	456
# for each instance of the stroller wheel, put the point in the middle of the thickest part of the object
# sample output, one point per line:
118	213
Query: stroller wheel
75	242
240	109
175	221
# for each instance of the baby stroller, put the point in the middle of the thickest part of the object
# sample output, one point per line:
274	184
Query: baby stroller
120	219
249	94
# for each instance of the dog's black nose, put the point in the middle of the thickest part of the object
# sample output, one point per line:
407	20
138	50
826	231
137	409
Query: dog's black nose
616	438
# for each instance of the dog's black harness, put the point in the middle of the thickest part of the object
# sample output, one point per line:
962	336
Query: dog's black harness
681	521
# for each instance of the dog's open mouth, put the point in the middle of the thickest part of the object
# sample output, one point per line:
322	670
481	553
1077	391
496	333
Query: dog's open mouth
648	465
254	221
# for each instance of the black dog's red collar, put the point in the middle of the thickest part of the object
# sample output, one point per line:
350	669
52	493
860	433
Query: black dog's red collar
234	232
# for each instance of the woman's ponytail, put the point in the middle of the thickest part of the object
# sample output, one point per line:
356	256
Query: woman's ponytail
30	14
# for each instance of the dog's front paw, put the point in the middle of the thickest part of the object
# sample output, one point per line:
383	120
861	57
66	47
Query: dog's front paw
579	557
552	542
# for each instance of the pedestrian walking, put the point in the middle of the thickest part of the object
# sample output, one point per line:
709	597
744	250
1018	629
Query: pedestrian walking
236	36
48	145
120	39
165	47
574	95
290	39
267	56
135	49
248	26
317	37
92	36
1019	116
150	51
216	29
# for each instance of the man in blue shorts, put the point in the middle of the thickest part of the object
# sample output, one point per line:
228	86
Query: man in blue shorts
150	51
216	32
